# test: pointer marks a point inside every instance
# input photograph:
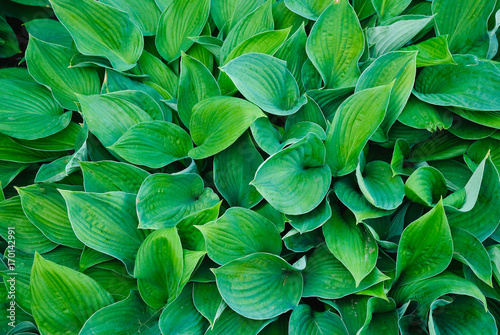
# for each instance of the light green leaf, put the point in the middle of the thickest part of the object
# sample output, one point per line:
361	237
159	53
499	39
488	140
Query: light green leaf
426	186
144	14
310	9
312	220
232	322
90	257
208	302
299	172
401	152
191	237
240	232
335	45
387	9
227	13
355	121
164	200
305	321
310	112
101	30
363	8
421	115
329	100
245	283
159	73
433	51
141	99
108	176
218	122
426	247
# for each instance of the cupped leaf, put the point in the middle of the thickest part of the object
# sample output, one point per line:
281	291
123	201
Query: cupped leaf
192	238
297	242
310	112
208	302
421	115
305	321
245	283
433	51
101	30
479	149
218	122
109	176
426	186
312	220
335	45
296	179
355	121
240	232
164	200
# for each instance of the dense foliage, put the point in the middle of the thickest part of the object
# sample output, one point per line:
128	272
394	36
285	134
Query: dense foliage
249	167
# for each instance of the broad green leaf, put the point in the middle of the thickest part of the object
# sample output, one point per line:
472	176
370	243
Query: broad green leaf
153	144
117	318
355	121
141	99
164	200
196	84
382	316
478	150
61	141
363	8
310	9
181	316
28	237
399	68
379	186
191	237
54	171
240	232
208	302
269	212
421	115
179	21
109	176
426	186
352	309
159	73
144	14
103	221
326	277
329	100
90	257
17	153
350	243
468	130
63	299
401	152
297	242
442	145
473	84
266	82
232	322
227	13
311	78
310	112
305	321
101	30
426	247
8	171
49	64
455	174
296	179
312	220
488	119
218	122
387	9
466	24
335	45
234	169
28	111
119	285
245	283
45	208
433	51
158	267
192	261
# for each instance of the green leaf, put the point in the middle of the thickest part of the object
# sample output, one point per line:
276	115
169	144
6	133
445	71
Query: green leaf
310	112
473	84
8	171
305	321
159	73
245	283
153	144
9	46
326	277
179	21
117	318
297	242
158	267
355	121
426	247
143	100
441	146
103	221
50	31
266	82
61	141
310	9
208	302
426	186
240	232
456	174
232	322
234	169
468	130
90	257
329	100
312	220
49	64
298	171
101	30
16	153
218	122
400	68
119	285
268	211
465	22
227	13
387	9
191	237
335	45
62	298
145	15
433	51
180	195
479	149
487	119
421	115
351	244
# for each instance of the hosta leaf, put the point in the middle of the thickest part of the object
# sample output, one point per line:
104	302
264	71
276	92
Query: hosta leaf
144	15
153	144
329	100
299	172
62	298
442	145
426	247
478	150
387	9
266	82
433	51
234	169
465	23
141	99
401	152
90	257
218	122
426	186
450	85
117	318
61	141
352	244
208	302
108	176
297	242
335	45
310	112
103	221
45	208
159	73
230	321
355	122
9	46
468	130
164	200
399	67
421	115
305	321
245	284
192	261
118	284
455	174
28	111
227	13
191	237
352	309
379	186
158	267
488	119
8	171
310	9
101	30
240	232
49	64
312	220
268	211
